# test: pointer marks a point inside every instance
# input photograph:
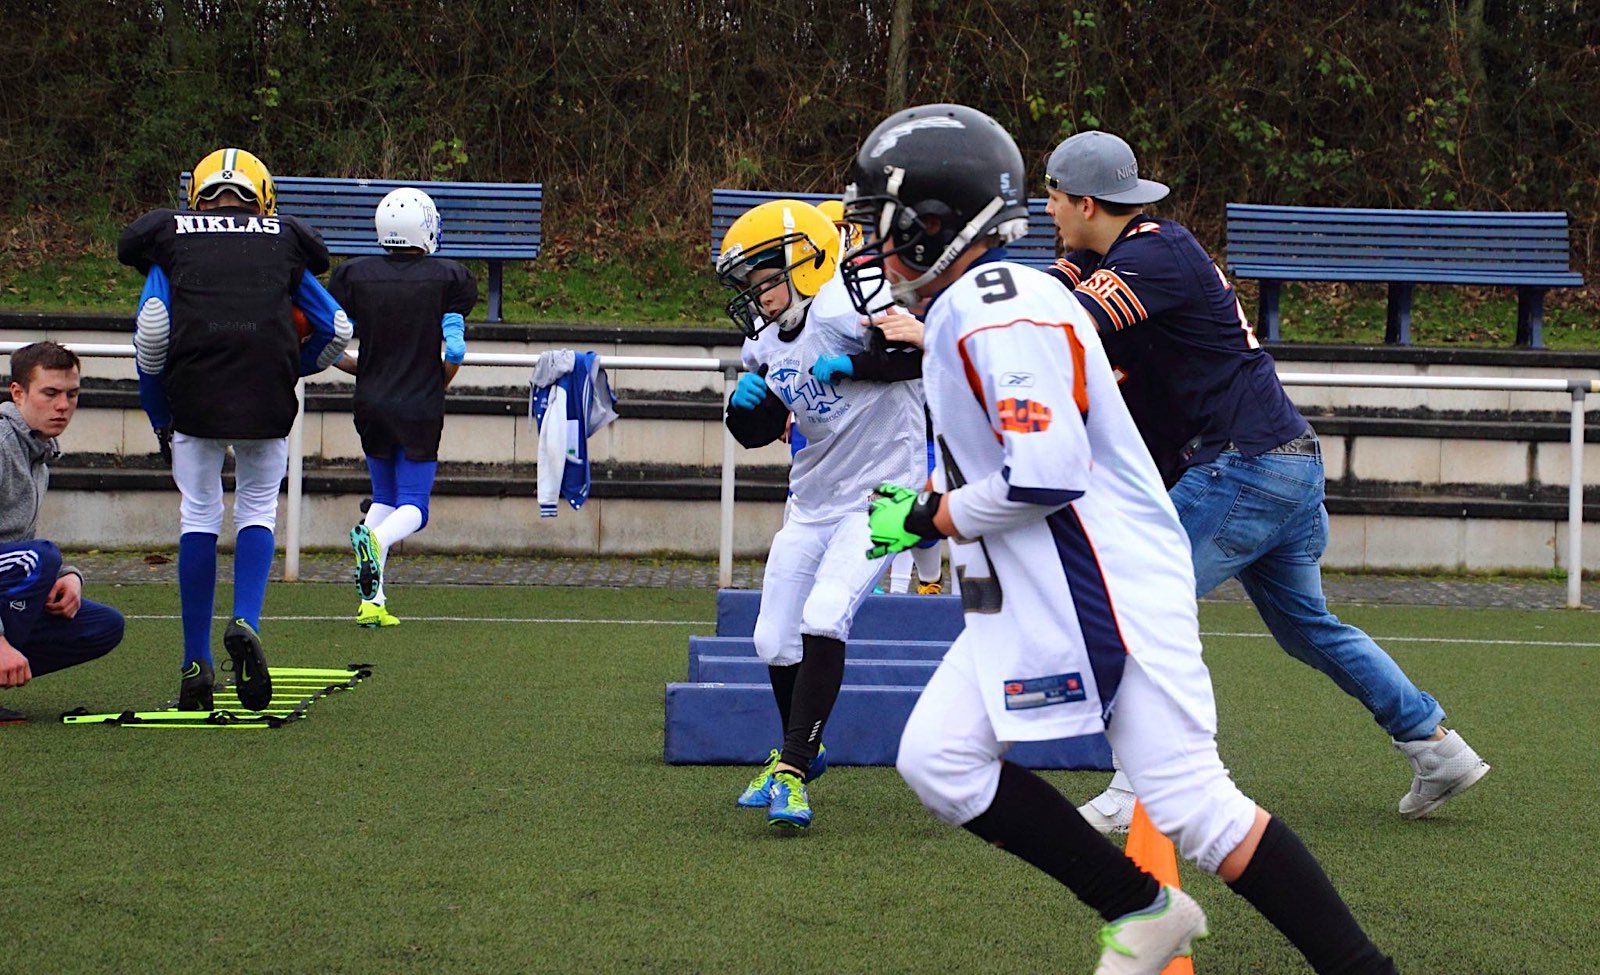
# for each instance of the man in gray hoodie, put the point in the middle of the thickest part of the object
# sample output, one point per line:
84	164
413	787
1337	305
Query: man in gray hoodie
45	623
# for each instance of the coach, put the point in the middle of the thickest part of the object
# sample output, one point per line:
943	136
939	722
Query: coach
45	623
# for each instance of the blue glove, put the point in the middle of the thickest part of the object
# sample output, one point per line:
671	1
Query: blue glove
830	367
455	338
752	389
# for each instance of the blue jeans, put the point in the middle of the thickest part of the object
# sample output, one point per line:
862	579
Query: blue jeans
1261	519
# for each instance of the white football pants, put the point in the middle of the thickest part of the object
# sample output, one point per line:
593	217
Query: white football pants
258	470
817	575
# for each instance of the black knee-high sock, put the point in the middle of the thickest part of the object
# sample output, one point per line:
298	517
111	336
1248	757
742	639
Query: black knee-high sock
816	688
1031	820
783	690
1286	884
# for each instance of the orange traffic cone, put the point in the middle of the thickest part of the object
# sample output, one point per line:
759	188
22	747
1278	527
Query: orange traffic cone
1155	853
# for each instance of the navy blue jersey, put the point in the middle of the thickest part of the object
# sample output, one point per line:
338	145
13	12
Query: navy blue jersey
1189	353
398	302
1168	433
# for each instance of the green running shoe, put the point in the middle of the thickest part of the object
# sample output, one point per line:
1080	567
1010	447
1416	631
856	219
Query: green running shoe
756	794
369	571
790	807
375	614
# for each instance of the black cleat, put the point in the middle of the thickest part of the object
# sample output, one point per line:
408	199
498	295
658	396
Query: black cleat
250	677
8	716
194	694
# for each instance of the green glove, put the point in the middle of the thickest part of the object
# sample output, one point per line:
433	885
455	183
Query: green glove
898	518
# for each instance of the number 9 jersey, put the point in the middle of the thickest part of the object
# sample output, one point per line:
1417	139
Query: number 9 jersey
1070	555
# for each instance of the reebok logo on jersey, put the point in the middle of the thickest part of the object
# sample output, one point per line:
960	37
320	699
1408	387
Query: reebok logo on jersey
201	223
1016	380
1023	416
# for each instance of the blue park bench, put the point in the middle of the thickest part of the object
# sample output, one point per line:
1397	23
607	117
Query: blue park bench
1402	248
1037	249
492	222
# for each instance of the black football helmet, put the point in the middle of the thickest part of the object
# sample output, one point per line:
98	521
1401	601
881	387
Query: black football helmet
947	162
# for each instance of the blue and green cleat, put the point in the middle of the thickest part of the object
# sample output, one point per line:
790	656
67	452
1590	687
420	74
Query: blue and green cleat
789	807
756	794
369	568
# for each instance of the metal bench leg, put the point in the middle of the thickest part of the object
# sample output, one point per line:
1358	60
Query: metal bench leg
1267	311
494	291
1397	331
1530	318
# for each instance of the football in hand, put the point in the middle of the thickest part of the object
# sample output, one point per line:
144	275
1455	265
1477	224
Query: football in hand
302	324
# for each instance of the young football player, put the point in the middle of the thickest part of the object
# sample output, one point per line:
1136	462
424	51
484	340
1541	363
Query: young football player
780	258
219	356
888	362
1076	580
404	304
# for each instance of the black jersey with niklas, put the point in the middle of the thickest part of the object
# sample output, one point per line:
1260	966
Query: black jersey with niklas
397	302
233	356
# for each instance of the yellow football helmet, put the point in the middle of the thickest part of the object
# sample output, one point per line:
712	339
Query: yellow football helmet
789	237
237	170
849	233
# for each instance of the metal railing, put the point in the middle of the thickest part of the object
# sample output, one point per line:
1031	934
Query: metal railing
1576	389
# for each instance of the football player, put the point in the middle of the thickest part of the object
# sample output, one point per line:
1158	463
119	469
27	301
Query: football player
404	304
1075	575
780	258
219	357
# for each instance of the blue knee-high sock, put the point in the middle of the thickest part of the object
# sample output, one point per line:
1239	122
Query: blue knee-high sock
197	592
252	564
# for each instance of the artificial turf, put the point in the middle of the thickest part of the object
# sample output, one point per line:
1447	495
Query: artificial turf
493	800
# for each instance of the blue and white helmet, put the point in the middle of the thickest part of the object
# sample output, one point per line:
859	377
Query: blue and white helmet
408	218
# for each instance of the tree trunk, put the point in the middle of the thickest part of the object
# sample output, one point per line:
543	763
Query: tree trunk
899	54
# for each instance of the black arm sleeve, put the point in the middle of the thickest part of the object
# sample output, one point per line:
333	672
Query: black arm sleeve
881	362
759	426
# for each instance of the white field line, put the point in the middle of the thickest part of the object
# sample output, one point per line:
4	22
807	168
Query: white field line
611	622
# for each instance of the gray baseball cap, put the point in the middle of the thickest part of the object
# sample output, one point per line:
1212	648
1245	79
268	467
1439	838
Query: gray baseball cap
1100	165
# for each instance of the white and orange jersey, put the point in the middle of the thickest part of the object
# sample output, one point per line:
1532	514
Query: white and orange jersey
1065	523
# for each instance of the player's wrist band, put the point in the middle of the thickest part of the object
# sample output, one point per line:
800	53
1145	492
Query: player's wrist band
920	519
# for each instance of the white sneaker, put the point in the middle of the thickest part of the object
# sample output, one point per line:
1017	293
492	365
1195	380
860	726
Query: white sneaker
1111	811
1141	943
1444	769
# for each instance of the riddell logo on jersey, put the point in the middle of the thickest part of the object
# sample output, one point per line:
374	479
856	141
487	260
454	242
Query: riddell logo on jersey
1023	416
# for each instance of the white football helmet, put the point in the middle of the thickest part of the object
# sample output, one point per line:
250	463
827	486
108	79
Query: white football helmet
408	218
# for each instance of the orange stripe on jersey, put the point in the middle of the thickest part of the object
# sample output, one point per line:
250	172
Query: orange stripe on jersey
1080	386
1113	294
1071	270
